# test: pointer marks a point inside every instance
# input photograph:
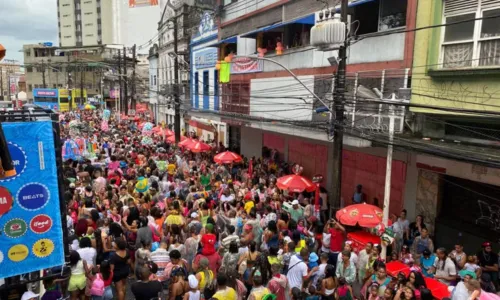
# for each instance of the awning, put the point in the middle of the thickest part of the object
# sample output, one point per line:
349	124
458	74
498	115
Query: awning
230	40
304	20
202	125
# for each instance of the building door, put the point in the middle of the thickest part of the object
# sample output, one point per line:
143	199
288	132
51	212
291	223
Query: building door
234	139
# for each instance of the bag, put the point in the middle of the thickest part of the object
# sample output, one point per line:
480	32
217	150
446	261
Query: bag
97	288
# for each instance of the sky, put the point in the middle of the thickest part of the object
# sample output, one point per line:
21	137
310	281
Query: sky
35	21
27	22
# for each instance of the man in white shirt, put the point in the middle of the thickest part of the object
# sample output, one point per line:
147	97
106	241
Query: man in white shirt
226	196
297	270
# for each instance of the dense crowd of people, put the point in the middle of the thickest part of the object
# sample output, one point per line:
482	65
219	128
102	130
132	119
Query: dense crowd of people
164	222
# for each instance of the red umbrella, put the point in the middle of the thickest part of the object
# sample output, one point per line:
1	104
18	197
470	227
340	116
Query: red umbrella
295	183
365	215
159	131
186	142
198	147
227	157
171	139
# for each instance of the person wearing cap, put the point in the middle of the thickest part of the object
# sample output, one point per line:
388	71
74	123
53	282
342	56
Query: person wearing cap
488	261
258	291
194	292
296	211
29	295
460	291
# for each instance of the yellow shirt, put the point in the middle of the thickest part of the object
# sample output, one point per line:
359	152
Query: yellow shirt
226	294
171	169
174	220
248	206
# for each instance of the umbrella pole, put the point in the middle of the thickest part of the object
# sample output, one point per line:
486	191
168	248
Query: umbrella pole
388	171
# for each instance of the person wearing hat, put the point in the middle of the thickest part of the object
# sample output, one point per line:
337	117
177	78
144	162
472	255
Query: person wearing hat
460	291
194	292
296	211
29	295
488	261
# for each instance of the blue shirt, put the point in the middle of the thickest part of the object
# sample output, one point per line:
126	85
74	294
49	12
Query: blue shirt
426	264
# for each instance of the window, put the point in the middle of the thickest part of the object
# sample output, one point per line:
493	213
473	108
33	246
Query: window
391	14
89	24
54	86
89	35
29	69
65	16
30	87
67	26
471	43
27	53
66	4
154	79
67	36
87	2
88	13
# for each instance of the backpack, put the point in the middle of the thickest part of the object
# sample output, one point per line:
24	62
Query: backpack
97	288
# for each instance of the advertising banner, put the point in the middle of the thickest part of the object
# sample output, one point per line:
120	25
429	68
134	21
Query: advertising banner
206	58
45	93
240	65
30	220
142	3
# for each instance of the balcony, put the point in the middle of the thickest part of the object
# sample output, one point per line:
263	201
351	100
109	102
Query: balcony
367	50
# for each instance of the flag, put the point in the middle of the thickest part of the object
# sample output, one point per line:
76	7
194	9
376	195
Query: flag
225	72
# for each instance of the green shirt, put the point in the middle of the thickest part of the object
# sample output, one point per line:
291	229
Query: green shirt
205	181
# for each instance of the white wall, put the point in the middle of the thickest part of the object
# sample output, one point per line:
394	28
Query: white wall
240	8
462	169
271	98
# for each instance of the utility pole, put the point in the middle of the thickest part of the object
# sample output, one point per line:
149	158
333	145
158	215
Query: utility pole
177	119
70	85
1	83
125	100
134	79
338	120
120	80
43	75
81	84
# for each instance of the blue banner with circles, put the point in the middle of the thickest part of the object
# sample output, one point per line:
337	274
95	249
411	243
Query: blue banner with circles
31	236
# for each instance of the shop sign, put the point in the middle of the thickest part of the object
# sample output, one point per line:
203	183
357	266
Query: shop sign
241	65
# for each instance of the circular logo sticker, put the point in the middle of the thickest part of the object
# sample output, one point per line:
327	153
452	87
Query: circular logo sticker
15	228
43	248
5	201
19	160
33	196
41	224
18	252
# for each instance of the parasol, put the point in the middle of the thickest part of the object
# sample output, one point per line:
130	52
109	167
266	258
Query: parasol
198	147
186	142
171	139
227	157
89	106
295	183
364	215
160	131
